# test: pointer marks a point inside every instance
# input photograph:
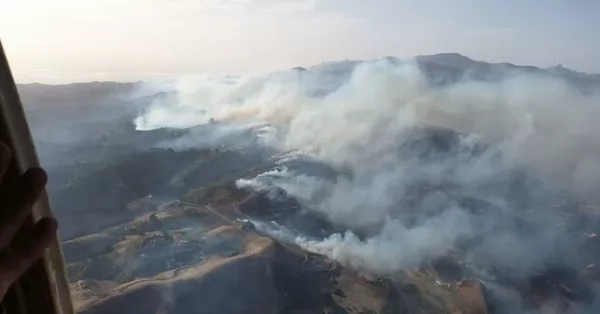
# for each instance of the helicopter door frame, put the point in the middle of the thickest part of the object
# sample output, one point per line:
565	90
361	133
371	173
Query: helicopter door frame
44	287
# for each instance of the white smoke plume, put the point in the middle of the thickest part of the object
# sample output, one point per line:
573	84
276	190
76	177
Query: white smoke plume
355	120
395	247
538	120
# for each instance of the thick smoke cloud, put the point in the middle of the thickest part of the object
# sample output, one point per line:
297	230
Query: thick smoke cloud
360	121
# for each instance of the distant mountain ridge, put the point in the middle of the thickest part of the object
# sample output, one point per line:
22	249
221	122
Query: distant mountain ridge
450	61
463	63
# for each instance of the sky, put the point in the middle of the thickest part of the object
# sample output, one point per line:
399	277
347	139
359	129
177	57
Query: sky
61	41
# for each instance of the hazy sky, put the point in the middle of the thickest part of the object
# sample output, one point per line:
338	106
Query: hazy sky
75	40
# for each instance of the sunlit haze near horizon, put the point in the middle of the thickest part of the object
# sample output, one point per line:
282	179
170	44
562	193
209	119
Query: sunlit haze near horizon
61	41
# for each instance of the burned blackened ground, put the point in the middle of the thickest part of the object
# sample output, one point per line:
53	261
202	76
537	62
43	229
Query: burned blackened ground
259	275
286	211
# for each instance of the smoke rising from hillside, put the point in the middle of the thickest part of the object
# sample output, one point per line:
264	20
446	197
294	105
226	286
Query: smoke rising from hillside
362	123
537	121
